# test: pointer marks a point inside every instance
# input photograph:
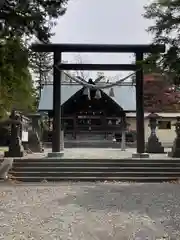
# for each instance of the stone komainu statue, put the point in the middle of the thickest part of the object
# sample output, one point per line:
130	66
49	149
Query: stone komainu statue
7	163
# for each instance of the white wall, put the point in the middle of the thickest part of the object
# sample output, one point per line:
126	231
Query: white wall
164	135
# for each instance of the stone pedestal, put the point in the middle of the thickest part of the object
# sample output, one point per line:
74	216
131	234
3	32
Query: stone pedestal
15	150
153	145
175	152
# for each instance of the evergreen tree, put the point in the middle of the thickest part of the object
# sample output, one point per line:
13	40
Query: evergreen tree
16	88
31	17
23	21
166	30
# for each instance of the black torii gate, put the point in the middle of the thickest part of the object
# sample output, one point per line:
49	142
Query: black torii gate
138	50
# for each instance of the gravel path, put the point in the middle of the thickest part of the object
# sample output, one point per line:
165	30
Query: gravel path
84	211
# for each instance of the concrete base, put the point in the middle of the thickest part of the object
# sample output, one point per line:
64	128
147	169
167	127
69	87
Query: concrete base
55	154
140	155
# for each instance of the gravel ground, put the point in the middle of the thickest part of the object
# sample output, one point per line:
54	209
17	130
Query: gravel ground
84	211
97	153
105	153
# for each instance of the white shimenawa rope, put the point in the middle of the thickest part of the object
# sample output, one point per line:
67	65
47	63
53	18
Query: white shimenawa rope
88	85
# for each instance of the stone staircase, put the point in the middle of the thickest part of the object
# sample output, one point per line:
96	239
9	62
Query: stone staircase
53	169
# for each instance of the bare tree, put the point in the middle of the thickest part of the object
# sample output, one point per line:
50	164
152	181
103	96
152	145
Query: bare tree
82	74
114	78
85	75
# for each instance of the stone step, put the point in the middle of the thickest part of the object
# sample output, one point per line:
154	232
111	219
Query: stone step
95	164
96	174
44	160
99	178
132	160
54	169
94	169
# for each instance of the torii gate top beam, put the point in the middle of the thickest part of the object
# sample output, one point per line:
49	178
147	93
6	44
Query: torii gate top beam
99	48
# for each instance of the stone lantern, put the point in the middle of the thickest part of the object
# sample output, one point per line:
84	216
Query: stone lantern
153	145
15	146
176	144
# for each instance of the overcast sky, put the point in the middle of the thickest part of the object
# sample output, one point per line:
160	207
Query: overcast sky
103	21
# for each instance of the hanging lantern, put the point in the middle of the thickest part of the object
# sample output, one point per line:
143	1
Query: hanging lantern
89	94
86	91
111	92
98	94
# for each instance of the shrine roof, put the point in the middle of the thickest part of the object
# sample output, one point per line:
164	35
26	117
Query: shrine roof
124	96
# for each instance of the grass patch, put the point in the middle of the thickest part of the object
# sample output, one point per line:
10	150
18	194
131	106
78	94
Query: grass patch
3	149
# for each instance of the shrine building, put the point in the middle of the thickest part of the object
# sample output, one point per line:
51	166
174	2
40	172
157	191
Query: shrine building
94	114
